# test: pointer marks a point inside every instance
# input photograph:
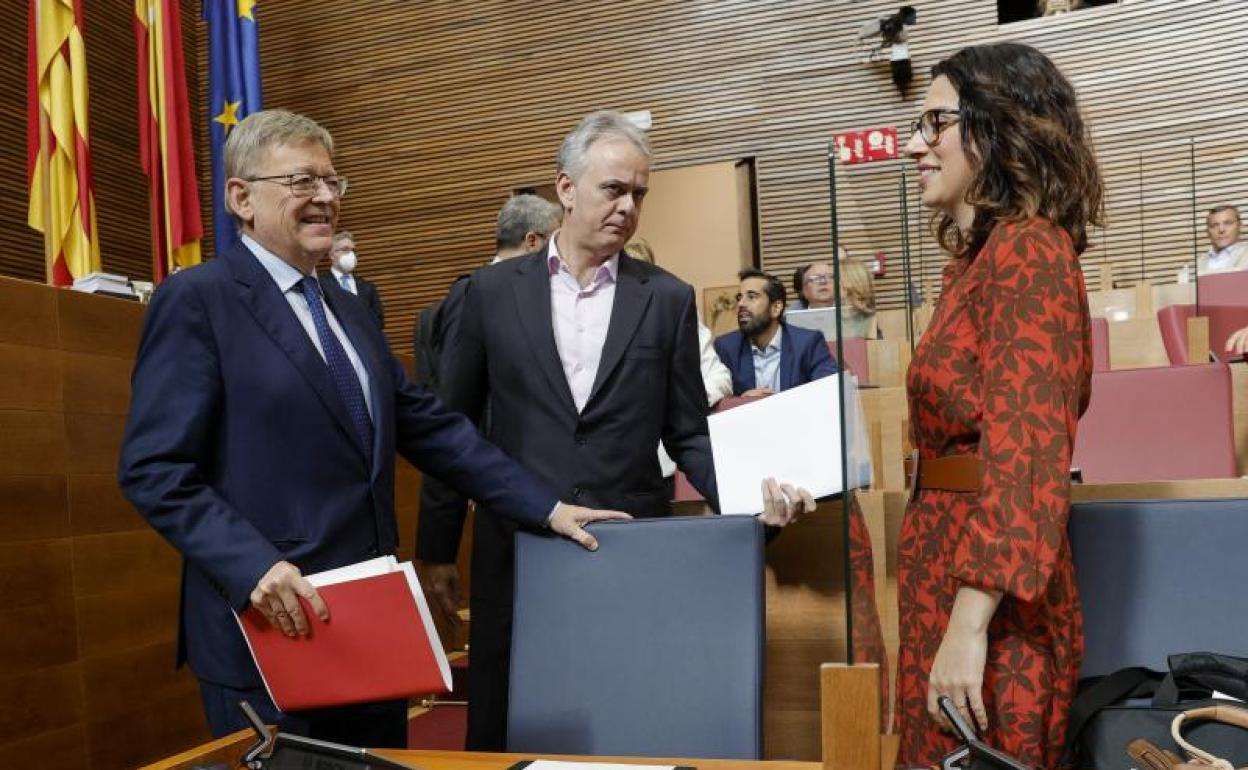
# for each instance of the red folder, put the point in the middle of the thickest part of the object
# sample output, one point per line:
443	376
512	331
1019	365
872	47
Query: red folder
379	644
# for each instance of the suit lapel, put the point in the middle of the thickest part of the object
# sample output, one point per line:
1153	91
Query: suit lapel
532	292
745	364
788	359
271	310
632	296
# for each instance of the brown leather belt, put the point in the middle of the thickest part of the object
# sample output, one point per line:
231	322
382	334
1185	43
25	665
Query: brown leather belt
953	473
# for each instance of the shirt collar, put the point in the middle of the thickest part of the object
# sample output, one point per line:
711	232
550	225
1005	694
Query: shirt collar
282	272
338	274
773	346
606	272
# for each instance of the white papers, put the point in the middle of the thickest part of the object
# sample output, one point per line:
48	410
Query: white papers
546	764
794	437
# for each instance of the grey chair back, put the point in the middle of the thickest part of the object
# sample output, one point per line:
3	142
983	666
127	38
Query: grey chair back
1158	577
652	646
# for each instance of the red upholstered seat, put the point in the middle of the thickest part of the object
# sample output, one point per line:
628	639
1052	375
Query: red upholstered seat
1223	321
855	357
1100	345
1172	320
1163	423
1226	289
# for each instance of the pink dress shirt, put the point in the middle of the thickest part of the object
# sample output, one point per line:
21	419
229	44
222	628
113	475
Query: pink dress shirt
580	317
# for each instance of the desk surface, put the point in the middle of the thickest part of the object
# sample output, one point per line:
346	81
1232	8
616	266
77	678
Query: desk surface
229	749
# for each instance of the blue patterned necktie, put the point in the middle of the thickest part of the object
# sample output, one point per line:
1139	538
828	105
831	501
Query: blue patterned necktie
345	379
345	280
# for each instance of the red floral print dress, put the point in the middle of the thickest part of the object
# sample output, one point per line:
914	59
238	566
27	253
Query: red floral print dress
1004	371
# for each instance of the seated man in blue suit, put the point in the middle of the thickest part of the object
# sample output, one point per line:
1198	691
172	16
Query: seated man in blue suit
265	414
767	355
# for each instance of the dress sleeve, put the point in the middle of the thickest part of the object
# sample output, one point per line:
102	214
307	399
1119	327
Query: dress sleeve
1035	355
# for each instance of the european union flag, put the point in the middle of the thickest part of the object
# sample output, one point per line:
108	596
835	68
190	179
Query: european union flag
233	93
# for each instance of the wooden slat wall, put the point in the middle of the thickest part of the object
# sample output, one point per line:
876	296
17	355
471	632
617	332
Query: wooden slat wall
120	187
441	108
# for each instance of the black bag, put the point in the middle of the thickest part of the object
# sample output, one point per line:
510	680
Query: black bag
1111	711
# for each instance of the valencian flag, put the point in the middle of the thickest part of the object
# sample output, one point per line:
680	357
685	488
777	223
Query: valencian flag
233	92
165	137
58	163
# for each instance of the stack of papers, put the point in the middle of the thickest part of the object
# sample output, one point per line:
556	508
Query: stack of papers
104	283
379	644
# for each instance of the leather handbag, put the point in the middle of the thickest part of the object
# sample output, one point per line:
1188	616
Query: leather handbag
1149	756
1109	713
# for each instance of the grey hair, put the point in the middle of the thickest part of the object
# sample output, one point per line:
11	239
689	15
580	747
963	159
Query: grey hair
522	214
594	126
249	141
1221	208
342	235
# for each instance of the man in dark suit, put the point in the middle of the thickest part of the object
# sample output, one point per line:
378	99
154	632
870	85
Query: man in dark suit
524	223
588	357
264	418
766	355
342	264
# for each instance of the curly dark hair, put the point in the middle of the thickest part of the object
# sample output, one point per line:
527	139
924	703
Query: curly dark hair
1031	150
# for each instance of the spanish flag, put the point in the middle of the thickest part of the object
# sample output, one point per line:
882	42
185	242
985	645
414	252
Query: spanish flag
165	137
58	162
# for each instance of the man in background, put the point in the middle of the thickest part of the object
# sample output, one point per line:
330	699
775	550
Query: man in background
342	263
766	355
524	223
1227	253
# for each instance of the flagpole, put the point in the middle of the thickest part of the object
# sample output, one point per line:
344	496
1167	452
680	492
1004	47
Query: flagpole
45	159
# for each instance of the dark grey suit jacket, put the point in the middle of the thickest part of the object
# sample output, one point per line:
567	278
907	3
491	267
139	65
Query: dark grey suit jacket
648	387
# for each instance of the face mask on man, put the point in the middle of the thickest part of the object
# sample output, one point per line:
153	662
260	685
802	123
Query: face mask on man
346	262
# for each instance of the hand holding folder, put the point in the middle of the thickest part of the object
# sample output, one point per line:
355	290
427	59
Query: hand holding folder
379	643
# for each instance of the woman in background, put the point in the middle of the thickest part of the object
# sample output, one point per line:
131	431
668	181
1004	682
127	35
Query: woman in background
857	300
988	608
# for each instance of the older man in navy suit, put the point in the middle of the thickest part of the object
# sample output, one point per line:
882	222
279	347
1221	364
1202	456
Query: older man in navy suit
766	355
264	419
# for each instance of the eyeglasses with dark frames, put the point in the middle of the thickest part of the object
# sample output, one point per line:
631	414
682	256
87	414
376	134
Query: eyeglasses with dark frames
932	123
307	185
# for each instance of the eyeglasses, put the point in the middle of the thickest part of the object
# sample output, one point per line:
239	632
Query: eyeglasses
933	122
307	185
818	279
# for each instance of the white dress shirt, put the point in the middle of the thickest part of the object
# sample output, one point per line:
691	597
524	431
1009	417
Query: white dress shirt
580	317
767	362
345	280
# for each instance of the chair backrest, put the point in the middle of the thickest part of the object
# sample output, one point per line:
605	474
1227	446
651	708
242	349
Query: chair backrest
855	357
1162	423
1224	320
652	646
1100	345
1158	577
1172	321
1228	289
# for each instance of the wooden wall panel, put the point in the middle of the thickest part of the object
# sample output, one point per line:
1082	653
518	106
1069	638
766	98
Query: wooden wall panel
120	187
86	657
440	109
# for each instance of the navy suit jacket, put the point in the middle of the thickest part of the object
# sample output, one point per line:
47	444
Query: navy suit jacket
240	452
648	387
367	294
803	357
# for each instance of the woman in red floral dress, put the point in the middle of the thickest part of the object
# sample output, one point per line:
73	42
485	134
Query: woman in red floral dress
989	611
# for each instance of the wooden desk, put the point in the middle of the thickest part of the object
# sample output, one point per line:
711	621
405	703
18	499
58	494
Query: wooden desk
227	750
